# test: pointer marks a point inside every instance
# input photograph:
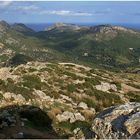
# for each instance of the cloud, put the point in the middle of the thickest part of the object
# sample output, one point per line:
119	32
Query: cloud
33	9
5	3
64	13
27	8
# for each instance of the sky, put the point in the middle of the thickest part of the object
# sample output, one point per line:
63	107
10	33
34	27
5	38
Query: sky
70	12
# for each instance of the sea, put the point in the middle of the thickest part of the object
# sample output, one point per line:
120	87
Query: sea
41	26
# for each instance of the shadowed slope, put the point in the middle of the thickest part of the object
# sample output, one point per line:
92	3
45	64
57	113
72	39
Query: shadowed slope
25	122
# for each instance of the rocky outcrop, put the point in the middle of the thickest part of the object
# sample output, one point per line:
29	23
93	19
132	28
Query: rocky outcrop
118	122
69	116
9	98
83	105
4	73
106	87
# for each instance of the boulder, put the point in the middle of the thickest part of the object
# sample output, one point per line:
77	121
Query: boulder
104	86
8	95
5	73
40	94
118	122
83	105
79	117
20	99
69	116
133	123
65	116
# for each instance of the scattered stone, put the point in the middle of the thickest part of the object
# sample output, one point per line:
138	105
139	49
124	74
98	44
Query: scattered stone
20	135
83	105
79	117
20	98
22	124
78	134
64	97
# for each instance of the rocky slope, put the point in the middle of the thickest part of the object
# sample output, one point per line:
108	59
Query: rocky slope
70	94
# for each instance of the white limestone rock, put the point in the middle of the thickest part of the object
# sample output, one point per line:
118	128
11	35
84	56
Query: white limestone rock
104	86
83	105
69	116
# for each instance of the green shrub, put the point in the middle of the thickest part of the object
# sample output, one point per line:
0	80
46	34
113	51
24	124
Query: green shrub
133	97
72	75
19	59
32	81
46	69
71	88
93	81
9	86
31	69
72	126
90	102
117	84
134	85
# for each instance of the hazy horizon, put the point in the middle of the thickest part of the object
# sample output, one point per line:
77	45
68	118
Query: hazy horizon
42	26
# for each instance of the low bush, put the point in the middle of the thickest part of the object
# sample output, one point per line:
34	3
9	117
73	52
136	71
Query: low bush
32	81
133	97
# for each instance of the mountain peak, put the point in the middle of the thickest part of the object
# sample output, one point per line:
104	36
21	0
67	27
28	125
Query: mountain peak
4	25
60	24
111	28
21	27
2	22
64	26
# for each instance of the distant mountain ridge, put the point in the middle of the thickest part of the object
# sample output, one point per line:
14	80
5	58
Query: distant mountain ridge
64	26
102	45
23	27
